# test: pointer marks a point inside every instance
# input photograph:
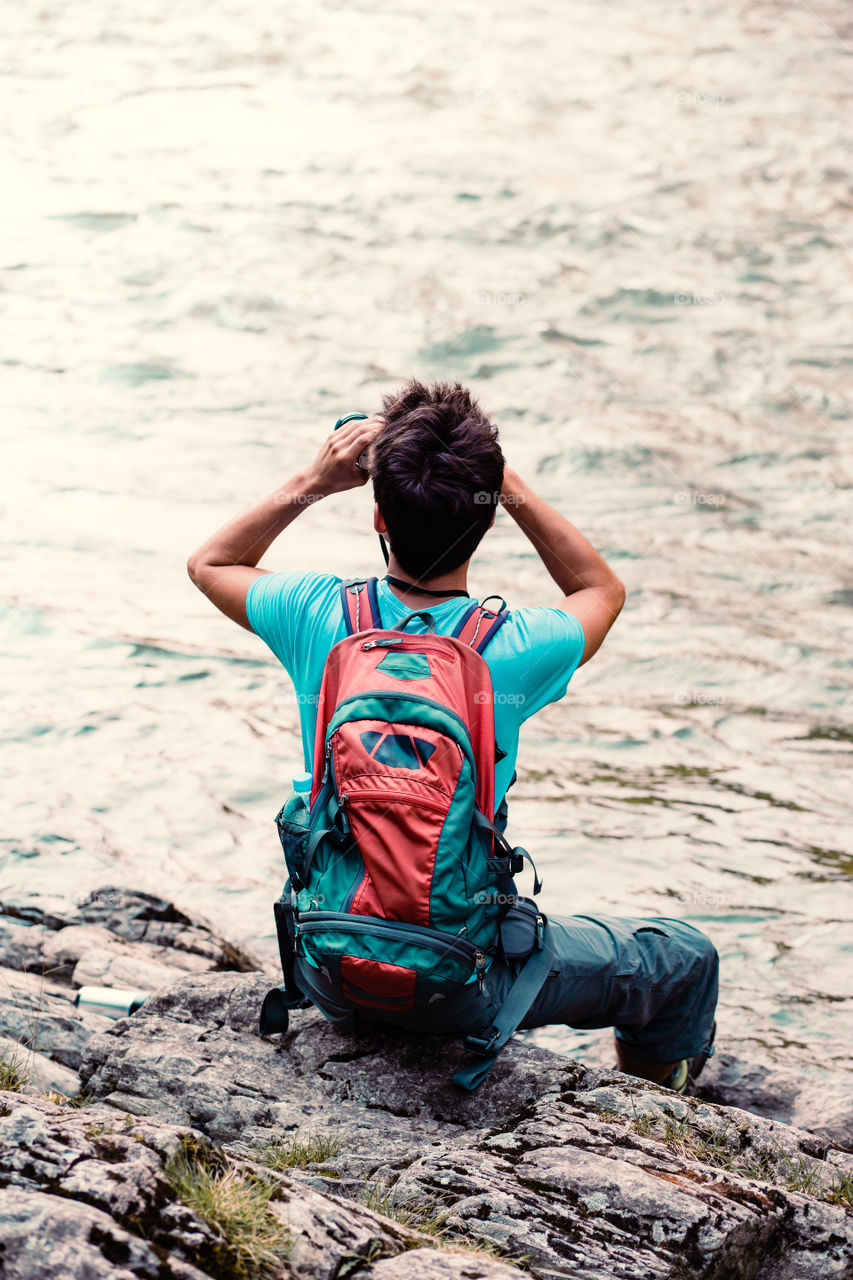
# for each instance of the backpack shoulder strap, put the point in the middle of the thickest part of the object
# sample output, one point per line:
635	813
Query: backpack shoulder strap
360	604
479	625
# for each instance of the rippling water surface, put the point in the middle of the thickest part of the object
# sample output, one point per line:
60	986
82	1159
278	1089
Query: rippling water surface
626	226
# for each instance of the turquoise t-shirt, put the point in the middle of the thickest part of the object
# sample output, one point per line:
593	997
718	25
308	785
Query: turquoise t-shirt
531	658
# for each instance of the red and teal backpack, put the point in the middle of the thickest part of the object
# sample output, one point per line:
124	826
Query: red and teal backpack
400	876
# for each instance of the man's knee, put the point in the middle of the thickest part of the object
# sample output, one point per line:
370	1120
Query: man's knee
707	957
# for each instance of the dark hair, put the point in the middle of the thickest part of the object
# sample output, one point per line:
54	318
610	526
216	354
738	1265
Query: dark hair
437	472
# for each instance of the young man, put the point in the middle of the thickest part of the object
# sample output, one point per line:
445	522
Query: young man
438	476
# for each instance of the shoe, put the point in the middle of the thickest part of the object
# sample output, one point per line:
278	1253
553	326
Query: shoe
679	1077
687	1070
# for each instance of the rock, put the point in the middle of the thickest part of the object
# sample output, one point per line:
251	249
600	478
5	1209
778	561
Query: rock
583	1172
824	1106
20	944
41	1016
821	1102
117	914
201	1036
92	1187
47	1237
115	938
568	1169
43	1075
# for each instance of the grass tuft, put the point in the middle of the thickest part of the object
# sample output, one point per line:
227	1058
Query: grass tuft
841	1191
14	1076
429	1217
418	1212
250	1241
299	1151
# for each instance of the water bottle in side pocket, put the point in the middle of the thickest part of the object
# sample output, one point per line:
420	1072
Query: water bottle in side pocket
292	823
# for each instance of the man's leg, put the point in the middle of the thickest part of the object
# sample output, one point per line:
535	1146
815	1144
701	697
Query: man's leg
653	980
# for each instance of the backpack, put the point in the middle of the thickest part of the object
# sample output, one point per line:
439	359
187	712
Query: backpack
400	878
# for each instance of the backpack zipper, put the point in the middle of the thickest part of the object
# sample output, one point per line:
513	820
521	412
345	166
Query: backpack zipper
451	945
415	648
406	697
425	802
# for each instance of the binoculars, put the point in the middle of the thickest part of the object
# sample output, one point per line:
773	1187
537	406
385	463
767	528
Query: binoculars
361	460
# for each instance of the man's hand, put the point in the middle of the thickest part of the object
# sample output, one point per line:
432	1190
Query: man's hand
336	466
224	567
592	591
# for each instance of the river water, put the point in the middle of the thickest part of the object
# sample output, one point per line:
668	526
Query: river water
627	228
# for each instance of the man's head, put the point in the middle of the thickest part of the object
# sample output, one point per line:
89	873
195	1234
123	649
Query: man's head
437	472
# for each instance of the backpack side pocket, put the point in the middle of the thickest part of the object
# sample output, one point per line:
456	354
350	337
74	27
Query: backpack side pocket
519	934
292	822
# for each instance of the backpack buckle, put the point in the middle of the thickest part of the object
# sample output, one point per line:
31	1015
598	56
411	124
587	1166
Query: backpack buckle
483	1045
516	863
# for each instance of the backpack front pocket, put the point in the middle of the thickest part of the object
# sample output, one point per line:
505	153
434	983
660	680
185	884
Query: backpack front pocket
386	963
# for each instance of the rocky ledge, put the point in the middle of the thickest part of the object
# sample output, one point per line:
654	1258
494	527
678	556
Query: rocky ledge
178	1143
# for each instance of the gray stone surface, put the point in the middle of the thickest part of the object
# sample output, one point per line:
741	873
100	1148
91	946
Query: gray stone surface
86	1194
569	1169
583	1172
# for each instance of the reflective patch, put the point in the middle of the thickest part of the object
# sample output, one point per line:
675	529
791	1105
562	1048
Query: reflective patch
400	750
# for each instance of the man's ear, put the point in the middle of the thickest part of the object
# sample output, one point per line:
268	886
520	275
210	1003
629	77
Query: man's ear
379	520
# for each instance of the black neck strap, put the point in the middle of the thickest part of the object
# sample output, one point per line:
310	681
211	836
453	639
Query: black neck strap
422	591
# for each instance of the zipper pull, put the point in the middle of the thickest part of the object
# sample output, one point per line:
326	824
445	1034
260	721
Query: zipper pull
480	968
380	644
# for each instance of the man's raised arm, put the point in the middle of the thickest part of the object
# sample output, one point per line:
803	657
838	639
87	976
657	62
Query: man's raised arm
224	567
592	591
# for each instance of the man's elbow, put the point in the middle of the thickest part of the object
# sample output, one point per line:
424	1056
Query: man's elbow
619	595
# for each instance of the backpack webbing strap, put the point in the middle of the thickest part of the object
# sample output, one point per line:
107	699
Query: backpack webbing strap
479	625
360	605
511	1014
274	1017
514	858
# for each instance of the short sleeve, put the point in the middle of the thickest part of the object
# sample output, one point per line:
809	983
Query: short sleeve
286	608
550	645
